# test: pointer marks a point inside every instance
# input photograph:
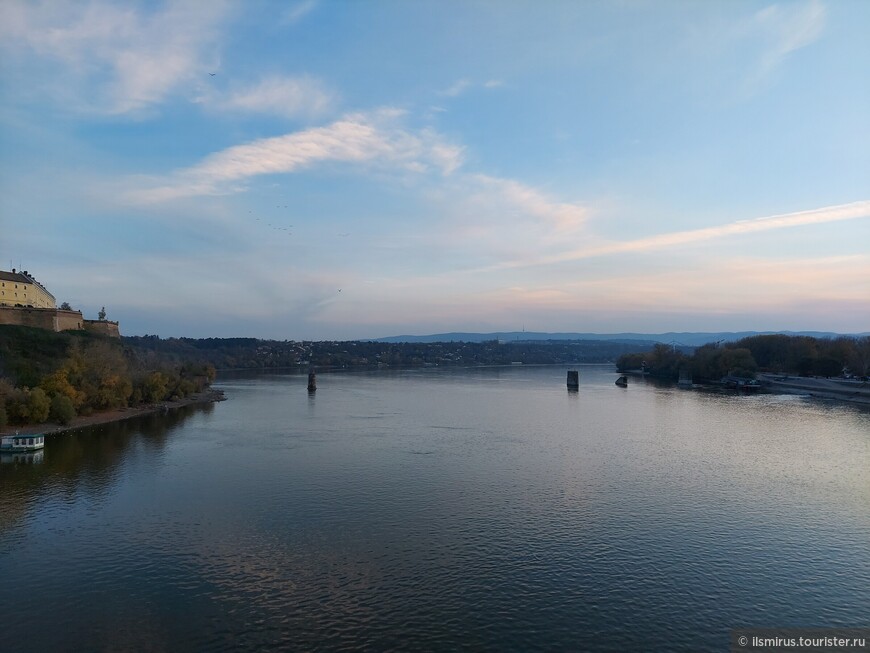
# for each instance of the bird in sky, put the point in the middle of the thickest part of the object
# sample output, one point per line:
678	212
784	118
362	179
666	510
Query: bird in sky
212	74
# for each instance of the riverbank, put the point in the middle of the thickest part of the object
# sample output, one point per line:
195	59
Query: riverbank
105	417
848	390
836	389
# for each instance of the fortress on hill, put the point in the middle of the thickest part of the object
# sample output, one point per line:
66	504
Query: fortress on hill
26	302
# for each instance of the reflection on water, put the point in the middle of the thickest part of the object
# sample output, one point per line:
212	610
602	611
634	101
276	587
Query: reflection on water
441	509
84	459
21	457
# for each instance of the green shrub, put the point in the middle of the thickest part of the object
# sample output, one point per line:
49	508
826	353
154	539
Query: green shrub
62	410
38	405
16	407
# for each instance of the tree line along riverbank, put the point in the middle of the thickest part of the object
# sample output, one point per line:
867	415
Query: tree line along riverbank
66	378
69	377
803	356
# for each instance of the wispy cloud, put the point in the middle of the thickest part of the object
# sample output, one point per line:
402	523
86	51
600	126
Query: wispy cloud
791	28
530	201
724	286
743	51
744	285
763	288
298	11
374	139
283	96
457	88
463	85
114	59
851	211
786	28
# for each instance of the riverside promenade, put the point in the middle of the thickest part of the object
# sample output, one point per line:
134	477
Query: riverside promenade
839	389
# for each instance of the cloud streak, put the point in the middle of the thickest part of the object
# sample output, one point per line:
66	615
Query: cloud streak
560	215
851	211
463	85
372	139
284	96
764	288
298	11
785	30
791	29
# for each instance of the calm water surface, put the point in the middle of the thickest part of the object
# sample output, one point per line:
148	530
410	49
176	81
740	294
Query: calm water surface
485	509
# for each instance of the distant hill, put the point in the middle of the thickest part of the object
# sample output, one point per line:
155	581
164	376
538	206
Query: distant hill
690	339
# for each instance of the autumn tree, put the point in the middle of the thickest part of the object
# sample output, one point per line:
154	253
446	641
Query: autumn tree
58	384
38	405
103	375
154	388
62	410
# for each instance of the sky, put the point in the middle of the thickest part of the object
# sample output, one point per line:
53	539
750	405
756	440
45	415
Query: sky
342	170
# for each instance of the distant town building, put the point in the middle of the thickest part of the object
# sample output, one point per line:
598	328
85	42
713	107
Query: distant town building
26	302
23	290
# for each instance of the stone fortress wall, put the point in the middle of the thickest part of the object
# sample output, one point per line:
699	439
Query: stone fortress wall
26	302
56	319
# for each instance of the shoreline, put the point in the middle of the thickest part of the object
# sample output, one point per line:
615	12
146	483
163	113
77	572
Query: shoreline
117	415
855	392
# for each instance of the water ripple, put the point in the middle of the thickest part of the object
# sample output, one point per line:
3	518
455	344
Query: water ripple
424	512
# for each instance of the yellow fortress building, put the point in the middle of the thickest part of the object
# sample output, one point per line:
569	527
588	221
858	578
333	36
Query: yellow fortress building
22	290
26	302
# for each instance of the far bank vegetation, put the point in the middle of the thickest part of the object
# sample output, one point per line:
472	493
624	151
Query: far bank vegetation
777	353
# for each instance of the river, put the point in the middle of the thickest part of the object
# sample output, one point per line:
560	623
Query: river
441	509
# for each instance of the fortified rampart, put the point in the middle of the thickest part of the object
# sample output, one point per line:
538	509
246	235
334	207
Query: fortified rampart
104	327
56	319
68	320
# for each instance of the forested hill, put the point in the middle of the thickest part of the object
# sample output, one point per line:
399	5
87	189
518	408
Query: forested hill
55	376
247	353
47	375
29	355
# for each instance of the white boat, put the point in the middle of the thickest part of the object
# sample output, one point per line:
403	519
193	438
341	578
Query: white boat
10	443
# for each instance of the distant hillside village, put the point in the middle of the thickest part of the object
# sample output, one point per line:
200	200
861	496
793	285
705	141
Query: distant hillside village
26	302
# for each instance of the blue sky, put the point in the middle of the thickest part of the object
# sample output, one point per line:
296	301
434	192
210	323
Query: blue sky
362	169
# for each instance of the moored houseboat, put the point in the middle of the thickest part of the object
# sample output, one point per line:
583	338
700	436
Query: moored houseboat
16	442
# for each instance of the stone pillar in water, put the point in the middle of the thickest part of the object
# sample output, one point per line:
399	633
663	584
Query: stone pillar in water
312	381
573	380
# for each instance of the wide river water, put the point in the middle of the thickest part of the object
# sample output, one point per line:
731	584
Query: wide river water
441	509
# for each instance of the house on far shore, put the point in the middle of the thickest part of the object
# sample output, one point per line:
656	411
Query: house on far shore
26	302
